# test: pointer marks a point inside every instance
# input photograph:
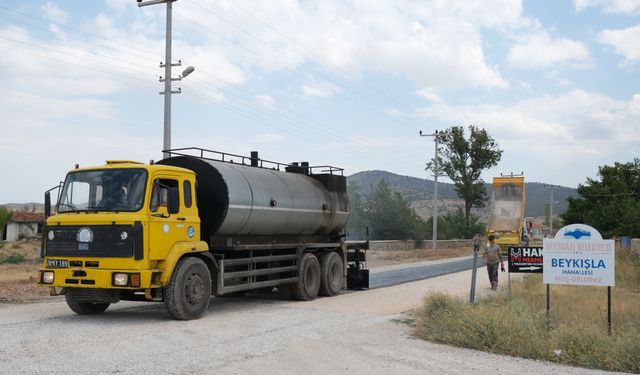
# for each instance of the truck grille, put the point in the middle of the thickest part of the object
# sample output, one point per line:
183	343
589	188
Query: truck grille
107	241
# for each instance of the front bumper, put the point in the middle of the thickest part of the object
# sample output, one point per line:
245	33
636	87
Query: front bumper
95	278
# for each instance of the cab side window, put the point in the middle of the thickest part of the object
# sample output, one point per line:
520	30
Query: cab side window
160	194
186	186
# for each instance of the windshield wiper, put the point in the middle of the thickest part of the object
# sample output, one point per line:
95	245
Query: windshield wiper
72	207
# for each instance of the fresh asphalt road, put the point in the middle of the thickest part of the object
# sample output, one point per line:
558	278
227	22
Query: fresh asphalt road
388	276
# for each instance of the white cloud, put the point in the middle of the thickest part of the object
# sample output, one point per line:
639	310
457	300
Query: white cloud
586	123
540	50
610	6
429	95
574	130
266	101
625	42
436	44
120	5
319	89
54	13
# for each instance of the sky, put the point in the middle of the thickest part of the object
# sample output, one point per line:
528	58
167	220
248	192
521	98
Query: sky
346	83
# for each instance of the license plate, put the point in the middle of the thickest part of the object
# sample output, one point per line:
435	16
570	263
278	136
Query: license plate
57	263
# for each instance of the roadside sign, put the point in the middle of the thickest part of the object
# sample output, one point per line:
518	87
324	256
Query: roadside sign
525	259
579	256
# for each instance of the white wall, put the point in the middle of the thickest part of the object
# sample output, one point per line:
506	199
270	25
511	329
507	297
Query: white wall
16	231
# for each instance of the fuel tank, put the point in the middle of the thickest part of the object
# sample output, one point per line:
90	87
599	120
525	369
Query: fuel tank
236	200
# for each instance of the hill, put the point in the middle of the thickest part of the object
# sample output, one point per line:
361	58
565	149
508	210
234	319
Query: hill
419	193
39	207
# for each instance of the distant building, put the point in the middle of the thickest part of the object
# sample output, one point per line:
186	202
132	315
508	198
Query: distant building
23	224
535	228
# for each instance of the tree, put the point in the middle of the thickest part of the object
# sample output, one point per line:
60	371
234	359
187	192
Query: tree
463	159
5	217
357	224
453	225
610	203
390	216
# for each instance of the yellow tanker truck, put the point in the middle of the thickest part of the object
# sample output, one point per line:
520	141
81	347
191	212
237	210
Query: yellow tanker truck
197	224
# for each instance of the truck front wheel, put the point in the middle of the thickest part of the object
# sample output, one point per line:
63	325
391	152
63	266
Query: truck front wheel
189	291
83	308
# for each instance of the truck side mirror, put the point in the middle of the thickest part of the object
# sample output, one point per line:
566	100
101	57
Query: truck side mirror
173	204
47	204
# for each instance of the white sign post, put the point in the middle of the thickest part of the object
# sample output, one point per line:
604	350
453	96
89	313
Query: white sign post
578	255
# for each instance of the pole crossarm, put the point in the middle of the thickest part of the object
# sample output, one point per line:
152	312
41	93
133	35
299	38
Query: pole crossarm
167	79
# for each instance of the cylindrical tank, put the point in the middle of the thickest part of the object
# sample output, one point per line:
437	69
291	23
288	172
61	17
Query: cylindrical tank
241	200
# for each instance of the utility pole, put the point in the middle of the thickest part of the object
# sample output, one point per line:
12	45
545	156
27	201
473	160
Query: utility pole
435	189
551	203
167	79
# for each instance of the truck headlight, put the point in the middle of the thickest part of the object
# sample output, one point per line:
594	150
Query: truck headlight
48	277
120	279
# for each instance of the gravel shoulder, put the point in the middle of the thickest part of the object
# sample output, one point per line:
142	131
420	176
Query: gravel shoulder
357	331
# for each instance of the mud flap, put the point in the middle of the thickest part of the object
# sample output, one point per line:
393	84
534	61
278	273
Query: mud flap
357	279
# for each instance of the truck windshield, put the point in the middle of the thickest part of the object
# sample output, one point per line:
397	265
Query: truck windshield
103	190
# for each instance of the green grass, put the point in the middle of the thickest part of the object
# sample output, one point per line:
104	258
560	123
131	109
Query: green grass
576	334
13	258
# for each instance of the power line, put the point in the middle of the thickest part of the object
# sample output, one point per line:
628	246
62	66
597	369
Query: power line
135	48
11	48
321	136
301	76
311	52
119	67
70	46
273	124
301	63
305	119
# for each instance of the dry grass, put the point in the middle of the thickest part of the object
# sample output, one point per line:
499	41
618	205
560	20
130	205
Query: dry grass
577	333
27	260
17	281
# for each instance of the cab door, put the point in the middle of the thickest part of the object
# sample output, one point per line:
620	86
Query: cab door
189	211
166	228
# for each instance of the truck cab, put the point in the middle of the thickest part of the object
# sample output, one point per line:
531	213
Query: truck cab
118	232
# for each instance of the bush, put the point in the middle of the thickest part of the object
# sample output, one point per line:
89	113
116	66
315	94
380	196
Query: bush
519	328
492	325
13	258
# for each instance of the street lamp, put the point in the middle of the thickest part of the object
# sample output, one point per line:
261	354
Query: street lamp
167	65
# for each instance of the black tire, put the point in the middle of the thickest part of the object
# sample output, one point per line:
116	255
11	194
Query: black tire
189	291
284	290
332	280
84	308
308	284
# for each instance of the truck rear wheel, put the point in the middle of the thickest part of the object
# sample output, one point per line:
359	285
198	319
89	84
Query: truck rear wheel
84	308
332	274
189	291
308	284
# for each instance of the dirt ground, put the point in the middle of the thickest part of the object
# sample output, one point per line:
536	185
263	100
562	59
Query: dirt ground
18	281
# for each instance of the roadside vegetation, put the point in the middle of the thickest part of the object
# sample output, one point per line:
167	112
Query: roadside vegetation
575	335
389	217
19	260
